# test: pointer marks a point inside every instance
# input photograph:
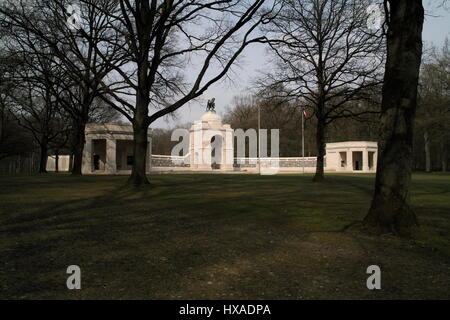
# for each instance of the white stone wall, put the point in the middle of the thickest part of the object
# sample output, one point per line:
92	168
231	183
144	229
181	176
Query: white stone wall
63	163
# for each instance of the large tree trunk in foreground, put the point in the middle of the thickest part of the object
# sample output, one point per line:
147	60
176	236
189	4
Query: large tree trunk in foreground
138	174
426	139
141	120
79	142
140	128
320	143
390	209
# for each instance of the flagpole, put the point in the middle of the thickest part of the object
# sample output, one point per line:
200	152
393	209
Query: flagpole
303	139
259	143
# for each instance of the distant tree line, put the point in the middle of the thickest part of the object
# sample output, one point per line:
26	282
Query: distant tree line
431	142
277	113
432	139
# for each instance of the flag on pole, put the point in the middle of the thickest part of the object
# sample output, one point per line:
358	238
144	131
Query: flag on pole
304	112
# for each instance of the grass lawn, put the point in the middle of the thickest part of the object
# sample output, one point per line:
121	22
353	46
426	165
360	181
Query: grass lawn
216	237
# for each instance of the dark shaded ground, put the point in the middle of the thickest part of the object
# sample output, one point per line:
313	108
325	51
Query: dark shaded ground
215	237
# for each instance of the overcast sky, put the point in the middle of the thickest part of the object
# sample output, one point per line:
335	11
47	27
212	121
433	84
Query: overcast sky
436	29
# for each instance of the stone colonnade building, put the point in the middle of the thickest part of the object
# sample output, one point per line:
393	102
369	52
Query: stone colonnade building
109	149
352	156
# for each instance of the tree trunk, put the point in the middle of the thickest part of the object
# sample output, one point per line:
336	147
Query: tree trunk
426	138
320	143
43	157
56	161
138	173
79	142
141	121
390	209
140	128
444	156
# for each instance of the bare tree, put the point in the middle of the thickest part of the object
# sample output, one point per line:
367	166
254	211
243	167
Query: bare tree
84	54
275	113
7	141
433	106
325	55
35	107
285	115
160	39
390	209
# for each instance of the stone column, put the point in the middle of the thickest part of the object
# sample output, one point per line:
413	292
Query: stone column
205	165
196	147
206	135
349	160
375	159
227	150
191	148
87	157
365	160
111	166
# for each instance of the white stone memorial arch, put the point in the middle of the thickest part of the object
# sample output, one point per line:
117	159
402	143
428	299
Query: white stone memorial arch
207	155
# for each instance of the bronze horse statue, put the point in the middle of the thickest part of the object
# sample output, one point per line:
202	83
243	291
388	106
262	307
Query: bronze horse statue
211	105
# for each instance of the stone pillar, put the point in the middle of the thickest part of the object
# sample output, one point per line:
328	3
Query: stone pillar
349	160
375	159
365	160
205	136
206	149
227	150
111	166
198	149
192	149
87	157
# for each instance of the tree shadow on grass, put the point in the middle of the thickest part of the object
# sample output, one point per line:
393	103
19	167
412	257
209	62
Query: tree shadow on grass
182	241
